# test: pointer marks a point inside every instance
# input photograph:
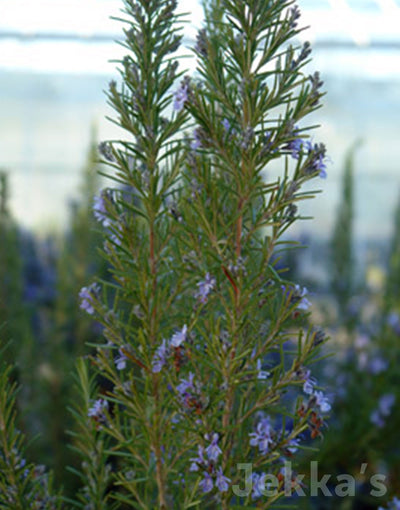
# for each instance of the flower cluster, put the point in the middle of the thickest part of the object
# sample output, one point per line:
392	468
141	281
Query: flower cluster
206	461
296	294
98	410
165	350
205	287
393	505
315	154
190	396
87	296
182	94
263	437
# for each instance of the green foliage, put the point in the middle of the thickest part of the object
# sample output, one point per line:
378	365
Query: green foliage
392	290
343	270
22	485
90	445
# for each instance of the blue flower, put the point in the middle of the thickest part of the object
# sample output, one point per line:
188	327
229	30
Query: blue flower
384	409
226	124
207	484
179	337
185	385
262	437
160	357
258	485
321	401
100	209
393	505
376	419
120	360
213	450
221	481
386	403
295	147
377	365
309	382
97	411
205	287
297	295
199	460
87	295
181	95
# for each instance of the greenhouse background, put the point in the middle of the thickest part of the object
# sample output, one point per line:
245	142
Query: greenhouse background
55	63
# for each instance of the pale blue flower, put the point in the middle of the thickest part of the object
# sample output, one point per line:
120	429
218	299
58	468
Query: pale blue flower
207	484
160	357
87	295
262	437
386	403
100	209
199	460
181	95
120	360
186	384
321	401
179	337
98	409
221	481
213	451
205	287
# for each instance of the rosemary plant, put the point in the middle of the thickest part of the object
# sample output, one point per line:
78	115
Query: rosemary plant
204	397
207	346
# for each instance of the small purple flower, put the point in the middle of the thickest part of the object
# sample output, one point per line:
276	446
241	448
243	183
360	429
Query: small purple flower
185	385
207	484
362	341
304	303
297	295
321	401
377	365
376	419
120	360
258	485
393	505
160	357
213	451
205	287
309	383
295	146
179	337
100	210
226	124
181	95
97	411
221	481
262	437
385	403
316	154
87	294
199	460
